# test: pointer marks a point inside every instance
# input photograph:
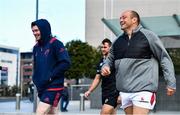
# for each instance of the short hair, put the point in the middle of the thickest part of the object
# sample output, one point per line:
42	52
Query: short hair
106	40
33	24
135	14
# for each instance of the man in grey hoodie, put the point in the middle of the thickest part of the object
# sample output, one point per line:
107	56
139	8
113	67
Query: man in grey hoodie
136	56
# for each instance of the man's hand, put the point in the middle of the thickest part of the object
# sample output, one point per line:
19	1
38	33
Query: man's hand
170	91
87	94
105	71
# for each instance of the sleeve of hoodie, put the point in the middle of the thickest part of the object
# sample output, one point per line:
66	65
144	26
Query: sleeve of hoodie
63	60
163	57
34	60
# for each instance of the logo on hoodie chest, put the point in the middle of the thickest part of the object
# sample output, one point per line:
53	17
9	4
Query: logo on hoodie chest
46	52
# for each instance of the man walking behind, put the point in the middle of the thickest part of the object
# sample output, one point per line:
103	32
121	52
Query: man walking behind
109	92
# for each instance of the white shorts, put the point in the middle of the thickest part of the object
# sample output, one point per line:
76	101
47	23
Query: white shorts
142	99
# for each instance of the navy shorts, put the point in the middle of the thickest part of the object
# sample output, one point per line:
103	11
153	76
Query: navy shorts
50	97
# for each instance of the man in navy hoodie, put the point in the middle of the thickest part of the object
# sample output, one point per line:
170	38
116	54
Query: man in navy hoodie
51	60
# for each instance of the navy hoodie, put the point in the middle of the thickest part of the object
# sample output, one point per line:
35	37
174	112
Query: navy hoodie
51	59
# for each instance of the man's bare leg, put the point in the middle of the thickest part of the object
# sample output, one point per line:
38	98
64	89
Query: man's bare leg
115	110
43	108
140	111
129	110
53	111
107	110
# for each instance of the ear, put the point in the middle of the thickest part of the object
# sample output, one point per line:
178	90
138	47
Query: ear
134	20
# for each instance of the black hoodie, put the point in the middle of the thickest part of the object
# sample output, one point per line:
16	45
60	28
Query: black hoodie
51	59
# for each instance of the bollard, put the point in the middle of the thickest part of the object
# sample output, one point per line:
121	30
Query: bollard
82	108
18	101
35	99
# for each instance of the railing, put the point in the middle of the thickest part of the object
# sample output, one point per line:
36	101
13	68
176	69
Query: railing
78	86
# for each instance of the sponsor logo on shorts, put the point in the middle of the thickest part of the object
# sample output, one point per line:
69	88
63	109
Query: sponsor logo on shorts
106	100
142	100
46	100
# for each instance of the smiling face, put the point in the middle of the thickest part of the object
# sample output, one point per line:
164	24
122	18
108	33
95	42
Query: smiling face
128	21
36	32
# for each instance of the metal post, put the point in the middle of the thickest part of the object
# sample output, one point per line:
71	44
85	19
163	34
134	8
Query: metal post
71	92
82	108
37	9
18	101
35	100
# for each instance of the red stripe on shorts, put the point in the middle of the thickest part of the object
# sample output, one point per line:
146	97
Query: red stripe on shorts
153	97
55	89
56	100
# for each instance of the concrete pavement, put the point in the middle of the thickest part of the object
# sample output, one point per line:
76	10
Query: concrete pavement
26	108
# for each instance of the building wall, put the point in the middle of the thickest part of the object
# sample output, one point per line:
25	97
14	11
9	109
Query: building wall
9	58
26	71
96	31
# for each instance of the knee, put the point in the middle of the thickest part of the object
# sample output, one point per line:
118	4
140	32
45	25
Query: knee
105	112
41	111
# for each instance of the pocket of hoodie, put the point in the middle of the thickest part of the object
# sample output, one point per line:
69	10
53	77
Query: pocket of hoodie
45	78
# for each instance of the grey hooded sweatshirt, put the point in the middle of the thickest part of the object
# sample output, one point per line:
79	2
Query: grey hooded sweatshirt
137	61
